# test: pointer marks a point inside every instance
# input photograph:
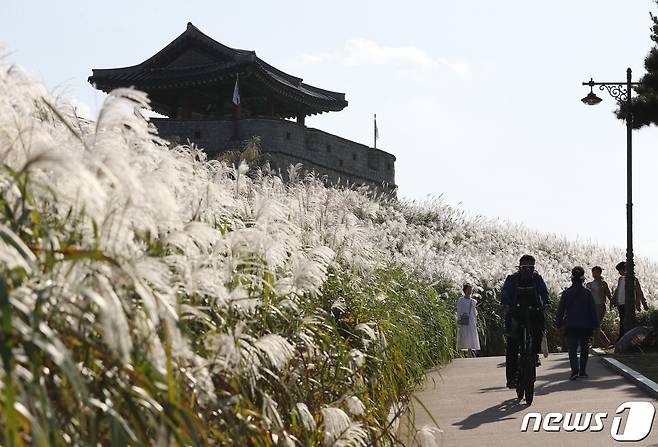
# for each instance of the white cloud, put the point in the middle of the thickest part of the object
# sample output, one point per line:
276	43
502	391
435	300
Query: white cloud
318	58
368	52
363	51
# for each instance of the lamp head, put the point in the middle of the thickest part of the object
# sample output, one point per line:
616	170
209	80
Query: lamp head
591	99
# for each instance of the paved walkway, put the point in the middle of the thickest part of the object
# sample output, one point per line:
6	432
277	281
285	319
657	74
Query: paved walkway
472	407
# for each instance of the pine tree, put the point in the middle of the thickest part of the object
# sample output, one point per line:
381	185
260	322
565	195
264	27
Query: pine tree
645	101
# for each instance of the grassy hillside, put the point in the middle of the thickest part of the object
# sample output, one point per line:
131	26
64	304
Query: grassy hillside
149	295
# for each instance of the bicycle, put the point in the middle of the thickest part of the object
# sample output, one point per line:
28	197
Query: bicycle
526	366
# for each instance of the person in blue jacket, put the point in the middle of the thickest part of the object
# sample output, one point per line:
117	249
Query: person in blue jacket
521	290
577	314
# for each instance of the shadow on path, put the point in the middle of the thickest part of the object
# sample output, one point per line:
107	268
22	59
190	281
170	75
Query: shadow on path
551	381
556	383
492	388
497	413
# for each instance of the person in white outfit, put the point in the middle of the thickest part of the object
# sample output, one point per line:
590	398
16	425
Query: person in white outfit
467	331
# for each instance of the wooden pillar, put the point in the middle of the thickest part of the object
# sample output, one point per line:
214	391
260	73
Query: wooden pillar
186	112
301	118
174	112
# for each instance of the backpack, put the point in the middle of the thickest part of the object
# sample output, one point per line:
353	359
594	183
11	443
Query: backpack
526	294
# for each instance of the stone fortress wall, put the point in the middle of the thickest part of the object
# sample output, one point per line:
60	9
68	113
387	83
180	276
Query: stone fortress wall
286	142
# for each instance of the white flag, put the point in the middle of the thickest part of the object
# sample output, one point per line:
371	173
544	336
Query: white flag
376	129
236	93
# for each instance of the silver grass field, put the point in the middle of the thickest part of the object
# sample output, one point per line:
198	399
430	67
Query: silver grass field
149	296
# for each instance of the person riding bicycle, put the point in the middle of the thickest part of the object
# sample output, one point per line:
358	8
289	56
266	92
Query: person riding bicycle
521	291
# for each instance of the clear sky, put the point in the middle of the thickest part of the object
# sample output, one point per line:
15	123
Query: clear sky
479	100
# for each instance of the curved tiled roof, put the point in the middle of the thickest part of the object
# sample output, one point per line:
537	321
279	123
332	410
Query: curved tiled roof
224	62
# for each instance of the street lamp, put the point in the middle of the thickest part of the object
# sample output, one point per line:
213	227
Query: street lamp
621	91
591	99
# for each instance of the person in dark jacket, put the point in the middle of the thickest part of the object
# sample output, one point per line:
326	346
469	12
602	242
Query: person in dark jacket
577	314
522	289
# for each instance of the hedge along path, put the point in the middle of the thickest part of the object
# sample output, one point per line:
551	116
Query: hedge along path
469	401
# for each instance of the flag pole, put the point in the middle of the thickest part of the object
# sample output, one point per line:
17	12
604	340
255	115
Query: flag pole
236	108
375	133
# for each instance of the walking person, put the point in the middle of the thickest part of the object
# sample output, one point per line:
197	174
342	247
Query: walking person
467	331
601	293
522	290
619	297
576	313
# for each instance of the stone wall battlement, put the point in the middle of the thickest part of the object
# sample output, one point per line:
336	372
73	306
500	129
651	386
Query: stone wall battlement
285	142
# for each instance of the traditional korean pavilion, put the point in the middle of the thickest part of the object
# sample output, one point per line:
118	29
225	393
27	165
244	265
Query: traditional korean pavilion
192	81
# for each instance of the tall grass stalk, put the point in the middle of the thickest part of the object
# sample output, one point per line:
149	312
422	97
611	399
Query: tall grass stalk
152	296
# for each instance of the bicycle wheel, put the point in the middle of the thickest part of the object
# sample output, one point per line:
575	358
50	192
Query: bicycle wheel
520	390
520	377
530	369
529	392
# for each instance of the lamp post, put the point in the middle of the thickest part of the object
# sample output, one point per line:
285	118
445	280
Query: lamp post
621	91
